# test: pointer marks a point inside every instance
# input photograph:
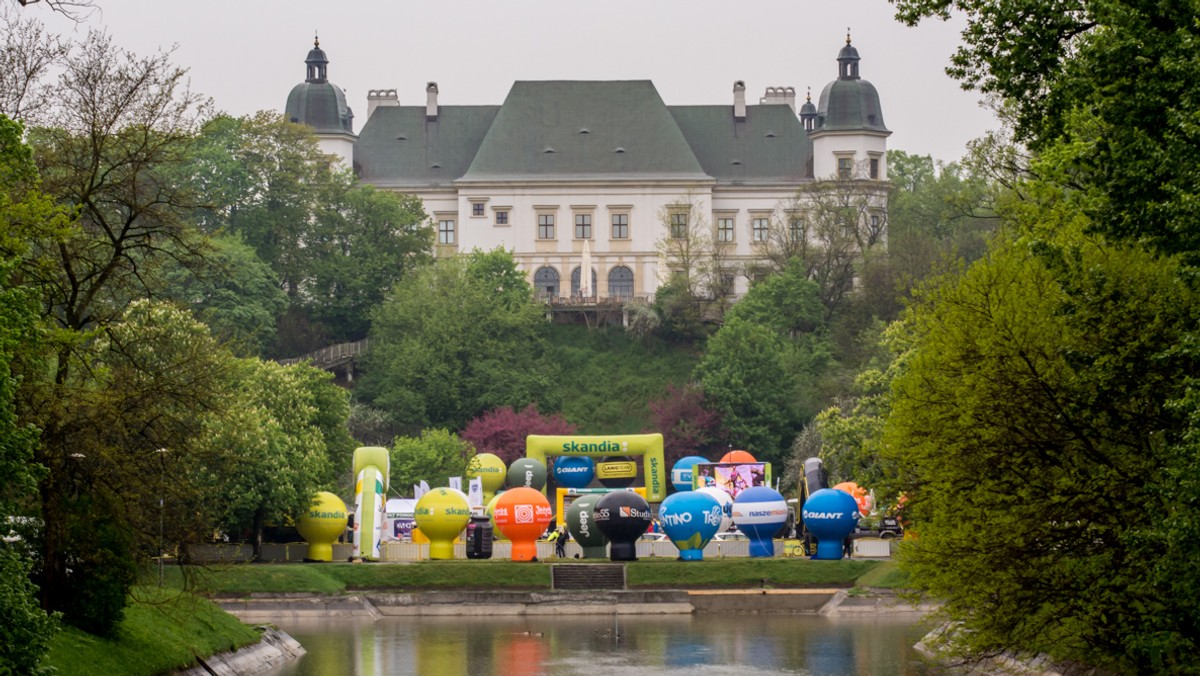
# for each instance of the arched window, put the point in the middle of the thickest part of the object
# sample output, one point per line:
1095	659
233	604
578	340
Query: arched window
590	292
620	282
545	283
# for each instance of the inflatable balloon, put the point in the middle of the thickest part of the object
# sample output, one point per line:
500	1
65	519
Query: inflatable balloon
489	509
623	516
490	471
830	515
372	466
321	525
581	521
726	502
527	472
522	514
574	471
690	519
760	512
681	472
442	514
738	456
616	472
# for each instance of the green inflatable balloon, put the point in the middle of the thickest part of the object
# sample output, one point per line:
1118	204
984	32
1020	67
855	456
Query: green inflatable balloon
582	524
527	472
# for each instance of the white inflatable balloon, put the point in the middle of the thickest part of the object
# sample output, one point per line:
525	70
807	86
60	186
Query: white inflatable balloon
726	506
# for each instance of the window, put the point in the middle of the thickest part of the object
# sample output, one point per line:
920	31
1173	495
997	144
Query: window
620	226
620	282
477	208
874	167
679	225
845	167
577	292
795	229
545	226
758	229
725	229
446	231
502	217
583	226
545	283
874	222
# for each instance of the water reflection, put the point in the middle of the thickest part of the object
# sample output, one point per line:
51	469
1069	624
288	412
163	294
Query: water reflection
608	644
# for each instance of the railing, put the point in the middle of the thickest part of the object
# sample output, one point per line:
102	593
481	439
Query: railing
331	356
593	301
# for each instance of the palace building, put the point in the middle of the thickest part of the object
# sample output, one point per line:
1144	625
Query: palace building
604	171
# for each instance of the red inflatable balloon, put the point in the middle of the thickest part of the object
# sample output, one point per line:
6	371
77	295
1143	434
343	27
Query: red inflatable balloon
522	514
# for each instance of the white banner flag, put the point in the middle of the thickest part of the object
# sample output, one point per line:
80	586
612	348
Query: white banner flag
417	492
475	494
424	487
456	483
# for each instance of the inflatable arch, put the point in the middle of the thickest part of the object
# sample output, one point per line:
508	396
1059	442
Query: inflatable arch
649	446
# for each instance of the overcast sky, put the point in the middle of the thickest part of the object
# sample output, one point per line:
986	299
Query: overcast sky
248	55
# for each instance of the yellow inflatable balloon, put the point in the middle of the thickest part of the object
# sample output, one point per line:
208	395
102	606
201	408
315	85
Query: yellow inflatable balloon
322	524
441	514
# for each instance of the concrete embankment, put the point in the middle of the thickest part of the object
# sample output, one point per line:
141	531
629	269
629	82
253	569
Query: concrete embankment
275	648
273	607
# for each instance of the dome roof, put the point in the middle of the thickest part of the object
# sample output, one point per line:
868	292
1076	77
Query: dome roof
320	105
316	102
849	102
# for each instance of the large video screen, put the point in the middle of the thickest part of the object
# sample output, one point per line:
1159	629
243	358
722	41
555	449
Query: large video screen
731	477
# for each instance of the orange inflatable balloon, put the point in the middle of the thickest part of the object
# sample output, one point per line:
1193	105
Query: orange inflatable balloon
860	495
738	456
522	514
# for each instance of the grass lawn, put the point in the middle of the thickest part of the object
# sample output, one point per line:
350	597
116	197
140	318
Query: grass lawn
333	578
163	630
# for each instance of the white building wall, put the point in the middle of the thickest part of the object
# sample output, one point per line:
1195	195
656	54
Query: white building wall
828	146
342	146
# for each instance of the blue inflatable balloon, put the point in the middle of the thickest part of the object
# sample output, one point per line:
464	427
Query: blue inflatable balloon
690	519
681	472
830	515
574	471
760	512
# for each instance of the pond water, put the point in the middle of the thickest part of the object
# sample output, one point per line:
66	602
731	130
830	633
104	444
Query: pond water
645	645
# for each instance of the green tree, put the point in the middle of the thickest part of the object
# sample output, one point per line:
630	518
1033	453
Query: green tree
434	457
457	338
1030	425
1120	76
750	376
267	451
233	292
25	629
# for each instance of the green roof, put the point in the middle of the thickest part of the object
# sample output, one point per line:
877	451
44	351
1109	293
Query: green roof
321	106
769	146
577	130
849	105
398	146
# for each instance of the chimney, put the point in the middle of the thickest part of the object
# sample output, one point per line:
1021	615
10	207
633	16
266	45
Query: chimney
739	100
380	98
431	104
780	96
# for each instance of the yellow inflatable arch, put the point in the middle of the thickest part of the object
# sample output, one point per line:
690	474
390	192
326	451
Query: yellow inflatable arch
649	446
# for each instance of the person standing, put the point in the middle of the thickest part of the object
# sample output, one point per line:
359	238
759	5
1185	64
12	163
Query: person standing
560	542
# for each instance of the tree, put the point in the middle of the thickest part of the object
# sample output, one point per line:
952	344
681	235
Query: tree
696	271
457	338
124	376
233	292
434	457
1039	403
502	431
1116	76
267	452
25	629
687	422
28	53
749	373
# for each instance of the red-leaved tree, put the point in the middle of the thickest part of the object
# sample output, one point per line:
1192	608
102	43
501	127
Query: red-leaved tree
502	431
687	425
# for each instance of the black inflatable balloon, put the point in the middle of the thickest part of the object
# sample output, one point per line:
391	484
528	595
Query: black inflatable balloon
623	516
